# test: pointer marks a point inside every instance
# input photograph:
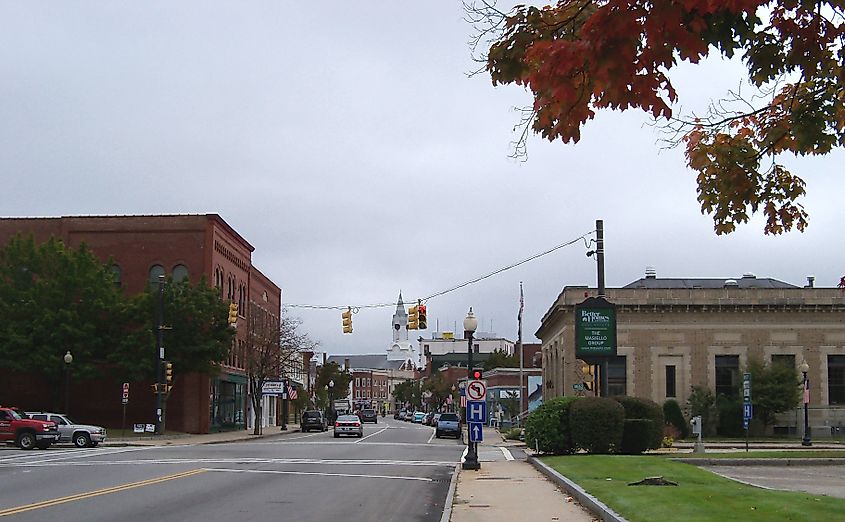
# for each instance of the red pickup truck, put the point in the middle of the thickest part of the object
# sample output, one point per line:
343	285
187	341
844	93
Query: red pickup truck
26	433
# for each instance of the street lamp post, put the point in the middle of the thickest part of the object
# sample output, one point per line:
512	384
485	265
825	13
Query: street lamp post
330	387
68	358
806	441
471	459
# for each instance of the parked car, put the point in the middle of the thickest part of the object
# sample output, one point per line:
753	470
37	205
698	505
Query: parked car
348	425
82	435
369	415
396	414
313	420
418	417
448	424
427	419
435	419
25	432
403	414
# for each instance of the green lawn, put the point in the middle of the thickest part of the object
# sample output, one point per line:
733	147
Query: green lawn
700	495
764	454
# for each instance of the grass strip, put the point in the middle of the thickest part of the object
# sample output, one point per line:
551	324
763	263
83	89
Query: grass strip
763	454
699	496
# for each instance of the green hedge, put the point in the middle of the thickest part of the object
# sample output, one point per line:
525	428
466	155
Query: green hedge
547	428
597	424
674	416
636	436
640	408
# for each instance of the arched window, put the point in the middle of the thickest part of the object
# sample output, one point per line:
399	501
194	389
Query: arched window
180	272
117	275
155	272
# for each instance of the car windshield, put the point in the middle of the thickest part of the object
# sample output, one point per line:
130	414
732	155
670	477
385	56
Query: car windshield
449	417
369	412
311	415
348	418
15	415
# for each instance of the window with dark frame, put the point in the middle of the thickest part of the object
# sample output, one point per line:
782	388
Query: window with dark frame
670	381
616	376
727	375
836	379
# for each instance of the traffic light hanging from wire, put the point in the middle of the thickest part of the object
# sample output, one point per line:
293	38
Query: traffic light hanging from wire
422	320
413	318
346	319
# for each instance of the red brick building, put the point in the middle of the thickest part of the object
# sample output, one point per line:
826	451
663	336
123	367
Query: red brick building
141	249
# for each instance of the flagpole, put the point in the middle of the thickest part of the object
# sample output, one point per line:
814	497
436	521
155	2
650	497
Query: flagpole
522	407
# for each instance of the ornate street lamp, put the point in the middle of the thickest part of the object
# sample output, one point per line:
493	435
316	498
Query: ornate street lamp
806	441
470	324
330	387
68	358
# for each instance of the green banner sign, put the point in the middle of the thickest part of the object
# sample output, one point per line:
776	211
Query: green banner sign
595	328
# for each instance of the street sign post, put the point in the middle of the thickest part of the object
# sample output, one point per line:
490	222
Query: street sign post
476	432
747	409
124	400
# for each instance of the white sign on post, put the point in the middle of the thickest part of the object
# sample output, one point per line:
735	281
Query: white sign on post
476	390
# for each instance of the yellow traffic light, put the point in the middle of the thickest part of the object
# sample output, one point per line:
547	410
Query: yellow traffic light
422	320
347	320
168	372
233	313
413	318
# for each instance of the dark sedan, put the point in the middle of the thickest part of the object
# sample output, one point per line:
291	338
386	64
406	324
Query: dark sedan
313	420
369	415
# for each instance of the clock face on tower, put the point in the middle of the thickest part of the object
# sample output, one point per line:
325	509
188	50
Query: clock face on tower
396	326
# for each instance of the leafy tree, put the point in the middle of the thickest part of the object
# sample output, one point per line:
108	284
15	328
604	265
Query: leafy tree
701	401
55	299
500	359
439	388
331	371
409	391
774	389
580	56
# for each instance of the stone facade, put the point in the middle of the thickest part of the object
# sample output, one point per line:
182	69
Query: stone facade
687	329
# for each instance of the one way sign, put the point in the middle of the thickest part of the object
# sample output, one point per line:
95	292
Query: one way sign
476	432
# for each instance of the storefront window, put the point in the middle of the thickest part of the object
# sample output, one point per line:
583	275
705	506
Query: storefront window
227	405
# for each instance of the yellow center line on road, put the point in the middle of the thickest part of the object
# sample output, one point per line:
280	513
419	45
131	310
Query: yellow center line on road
96	493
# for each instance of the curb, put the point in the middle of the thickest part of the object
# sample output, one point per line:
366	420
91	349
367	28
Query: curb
450	497
762	462
585	499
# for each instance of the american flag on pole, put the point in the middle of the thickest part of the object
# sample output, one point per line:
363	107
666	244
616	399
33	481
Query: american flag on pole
806	391
521	303
292	392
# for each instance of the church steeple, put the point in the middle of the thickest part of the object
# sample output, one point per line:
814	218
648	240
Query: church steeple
400	321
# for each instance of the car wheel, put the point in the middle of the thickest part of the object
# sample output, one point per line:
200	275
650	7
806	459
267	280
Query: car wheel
94	444
437	434
337	435
26	441
81	440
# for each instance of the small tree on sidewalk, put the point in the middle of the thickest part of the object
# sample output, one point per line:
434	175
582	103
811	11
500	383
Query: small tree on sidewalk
272	350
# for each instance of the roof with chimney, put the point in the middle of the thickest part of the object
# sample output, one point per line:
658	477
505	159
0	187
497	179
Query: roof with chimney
748	280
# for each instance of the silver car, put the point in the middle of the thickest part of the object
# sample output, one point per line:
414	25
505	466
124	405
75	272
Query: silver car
82	435
348	425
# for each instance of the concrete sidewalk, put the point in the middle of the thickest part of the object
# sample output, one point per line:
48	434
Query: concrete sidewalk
204	438
509	490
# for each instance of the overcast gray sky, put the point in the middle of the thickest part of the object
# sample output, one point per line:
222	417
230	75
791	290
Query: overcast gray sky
346	142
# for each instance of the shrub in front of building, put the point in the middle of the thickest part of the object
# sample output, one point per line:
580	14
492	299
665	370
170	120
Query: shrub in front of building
547	428
730	417
675	418
637	436
597	424
641	408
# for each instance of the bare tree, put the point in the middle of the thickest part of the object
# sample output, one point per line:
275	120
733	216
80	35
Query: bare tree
273	351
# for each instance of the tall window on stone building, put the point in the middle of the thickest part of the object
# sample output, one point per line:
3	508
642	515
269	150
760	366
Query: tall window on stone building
727	375
786	360
836	379
671	392
616	376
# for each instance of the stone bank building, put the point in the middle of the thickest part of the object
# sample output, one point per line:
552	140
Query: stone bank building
675	333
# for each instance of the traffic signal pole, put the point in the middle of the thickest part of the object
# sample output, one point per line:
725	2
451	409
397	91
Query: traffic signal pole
159	418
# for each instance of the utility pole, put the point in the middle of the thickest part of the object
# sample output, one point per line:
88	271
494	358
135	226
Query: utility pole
600	279
159	418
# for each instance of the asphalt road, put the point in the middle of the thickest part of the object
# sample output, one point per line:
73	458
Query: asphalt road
397	471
